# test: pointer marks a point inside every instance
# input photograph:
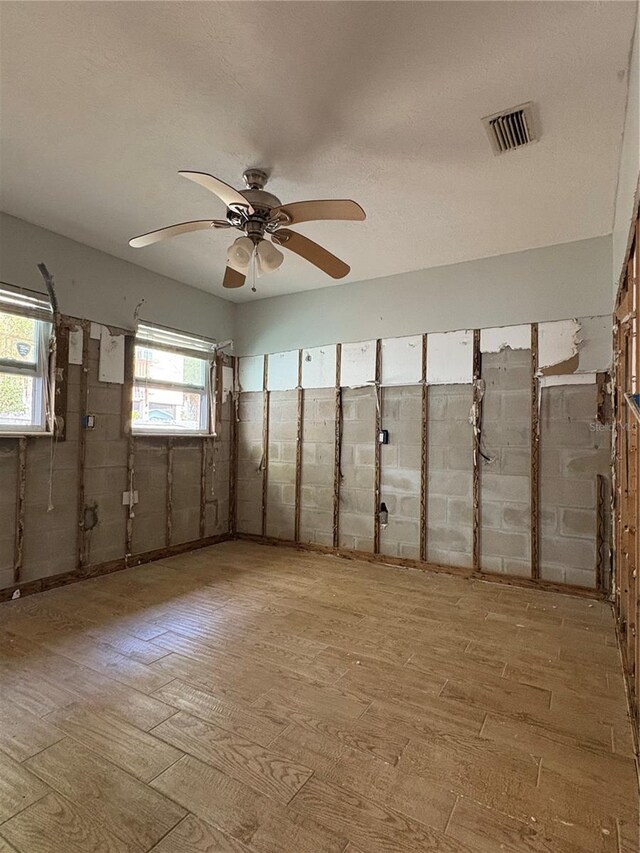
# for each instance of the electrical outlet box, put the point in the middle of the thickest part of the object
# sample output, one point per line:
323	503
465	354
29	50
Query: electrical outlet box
130	498
89	421
383	436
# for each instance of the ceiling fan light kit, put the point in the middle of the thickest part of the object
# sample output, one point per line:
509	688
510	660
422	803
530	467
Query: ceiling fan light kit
260	214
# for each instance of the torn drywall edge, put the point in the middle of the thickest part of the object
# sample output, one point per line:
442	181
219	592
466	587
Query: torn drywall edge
319	367
402	360
568	379
450	357
111	363
595	344
358	364
251	373
95	330
282	371
503	337
558	343
227	381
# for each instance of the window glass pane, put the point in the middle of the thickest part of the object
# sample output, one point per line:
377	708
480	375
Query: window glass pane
162	366
18	338
168	410
17	401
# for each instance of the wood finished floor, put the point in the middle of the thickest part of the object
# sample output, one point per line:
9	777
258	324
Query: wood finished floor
248	699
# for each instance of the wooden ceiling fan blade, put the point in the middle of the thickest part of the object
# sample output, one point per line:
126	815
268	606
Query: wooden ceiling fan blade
312	252
233	278
226	193
323	209
174	230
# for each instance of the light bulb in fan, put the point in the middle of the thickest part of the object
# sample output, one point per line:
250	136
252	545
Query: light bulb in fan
269	258
239	254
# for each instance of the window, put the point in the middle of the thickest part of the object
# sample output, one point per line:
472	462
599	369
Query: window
172	381
25	335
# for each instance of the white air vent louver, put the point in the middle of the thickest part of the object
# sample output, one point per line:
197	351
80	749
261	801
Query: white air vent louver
511	128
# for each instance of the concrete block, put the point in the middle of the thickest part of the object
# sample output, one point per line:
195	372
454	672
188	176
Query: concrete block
578	522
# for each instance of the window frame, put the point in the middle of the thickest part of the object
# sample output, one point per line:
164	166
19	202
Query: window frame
163	339
34	306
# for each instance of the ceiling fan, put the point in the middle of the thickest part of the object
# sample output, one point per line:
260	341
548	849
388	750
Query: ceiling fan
257	213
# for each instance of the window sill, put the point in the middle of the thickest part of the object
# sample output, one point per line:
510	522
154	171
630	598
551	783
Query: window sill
25	434
138	434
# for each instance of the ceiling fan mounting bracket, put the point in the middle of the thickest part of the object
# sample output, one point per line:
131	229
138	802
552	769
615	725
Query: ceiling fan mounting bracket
255	179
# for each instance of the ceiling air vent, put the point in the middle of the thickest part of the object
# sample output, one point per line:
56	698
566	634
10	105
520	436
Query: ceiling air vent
511	128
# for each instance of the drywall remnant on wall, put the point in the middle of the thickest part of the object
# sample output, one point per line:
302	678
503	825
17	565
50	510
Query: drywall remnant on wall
402	360
251	373
503	337
596	349
282	371
358	364
450	358
111	363
227	381
319	367
568	379
76	338
558	344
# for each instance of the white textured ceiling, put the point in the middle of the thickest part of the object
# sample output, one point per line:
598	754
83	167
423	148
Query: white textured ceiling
103	102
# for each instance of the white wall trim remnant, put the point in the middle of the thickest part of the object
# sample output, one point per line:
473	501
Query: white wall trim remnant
111	363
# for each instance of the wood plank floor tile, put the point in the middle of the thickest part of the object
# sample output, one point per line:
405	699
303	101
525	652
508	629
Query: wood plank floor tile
22	734
375	828
18	787
267	771
55	824
128	809
244	699
361	734
193	835
487	831
261	823
142	754
5	847
261	725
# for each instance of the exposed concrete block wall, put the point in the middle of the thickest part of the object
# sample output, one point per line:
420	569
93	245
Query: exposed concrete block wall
281	479
105	473
505	480
250	453
51	535
185	492
318	449
150	513
8	495
574	449
450	476
357	468
217	475
400	470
